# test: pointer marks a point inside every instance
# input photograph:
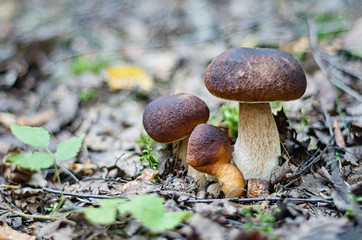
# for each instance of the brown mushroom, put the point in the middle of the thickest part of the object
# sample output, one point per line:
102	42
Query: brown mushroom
171	119
254	77
209	151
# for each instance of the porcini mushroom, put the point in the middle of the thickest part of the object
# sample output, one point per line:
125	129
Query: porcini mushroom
254	77
171	119
209	151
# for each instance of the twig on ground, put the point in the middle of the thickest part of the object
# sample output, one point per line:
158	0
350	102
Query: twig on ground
104	179
306	166
10	186
237	200
272	199
82	195
35	216
67	171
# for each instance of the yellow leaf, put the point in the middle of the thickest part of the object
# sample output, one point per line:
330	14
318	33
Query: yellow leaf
128	77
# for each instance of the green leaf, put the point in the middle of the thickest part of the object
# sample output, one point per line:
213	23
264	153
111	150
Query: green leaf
169	221
33	136
69	149
106	213
146	208
101	215
33	161
149	210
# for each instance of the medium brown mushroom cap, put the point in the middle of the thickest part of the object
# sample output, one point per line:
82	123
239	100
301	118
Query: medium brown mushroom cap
209	151
255	75
208	145
172	118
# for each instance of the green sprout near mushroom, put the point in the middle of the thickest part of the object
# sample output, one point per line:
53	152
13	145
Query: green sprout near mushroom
146	145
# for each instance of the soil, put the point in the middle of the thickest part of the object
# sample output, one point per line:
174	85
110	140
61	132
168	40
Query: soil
91	67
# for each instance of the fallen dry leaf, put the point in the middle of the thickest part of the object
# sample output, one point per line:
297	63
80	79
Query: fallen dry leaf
338	137
7	233
58	230
147	174
35	120
84	168
14	173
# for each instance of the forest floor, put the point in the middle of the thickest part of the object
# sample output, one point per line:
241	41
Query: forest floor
91	67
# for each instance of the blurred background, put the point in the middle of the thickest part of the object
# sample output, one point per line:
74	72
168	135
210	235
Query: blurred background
92	66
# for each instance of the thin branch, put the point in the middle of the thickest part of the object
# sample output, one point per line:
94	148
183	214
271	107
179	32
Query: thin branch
236	200
305	167
272	199
82	195
104	179
10	186
67	171
35	216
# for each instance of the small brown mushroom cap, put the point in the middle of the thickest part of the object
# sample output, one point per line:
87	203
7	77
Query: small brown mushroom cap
208	145
209	151
171	118
255	75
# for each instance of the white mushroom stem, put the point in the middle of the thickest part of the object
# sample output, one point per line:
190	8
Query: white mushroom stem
180	152
257	147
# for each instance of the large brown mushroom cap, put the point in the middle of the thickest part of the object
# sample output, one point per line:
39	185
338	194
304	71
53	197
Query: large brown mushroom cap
172	118
255	75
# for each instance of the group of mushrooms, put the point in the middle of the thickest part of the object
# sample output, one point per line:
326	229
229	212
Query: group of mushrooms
252	76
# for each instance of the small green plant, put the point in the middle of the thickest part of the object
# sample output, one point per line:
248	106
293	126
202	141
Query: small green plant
146	145
330	25
276	105
87	94
304	119
39	137
50	208
229	117
83	63
353	210
256	218
148	209
349	213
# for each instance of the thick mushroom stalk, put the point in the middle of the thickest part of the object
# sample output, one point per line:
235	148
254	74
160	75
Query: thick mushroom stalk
209	151
254	77
257	147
